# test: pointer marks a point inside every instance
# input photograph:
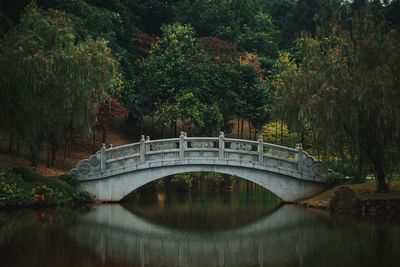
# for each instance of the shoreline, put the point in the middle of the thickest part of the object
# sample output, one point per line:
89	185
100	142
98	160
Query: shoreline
357	199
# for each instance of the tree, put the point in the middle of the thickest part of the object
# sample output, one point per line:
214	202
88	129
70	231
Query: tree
243	22
196	85
52	84
110	112
260	38
346	90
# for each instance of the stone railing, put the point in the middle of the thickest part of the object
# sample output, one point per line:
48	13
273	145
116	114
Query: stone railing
202	150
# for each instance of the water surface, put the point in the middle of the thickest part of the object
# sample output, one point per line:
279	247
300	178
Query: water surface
239	228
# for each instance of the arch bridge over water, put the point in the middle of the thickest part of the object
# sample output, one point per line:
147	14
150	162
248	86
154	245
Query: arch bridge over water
112	173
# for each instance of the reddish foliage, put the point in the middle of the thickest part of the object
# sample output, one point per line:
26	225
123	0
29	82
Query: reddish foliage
142	41
251	59
222	51
111	111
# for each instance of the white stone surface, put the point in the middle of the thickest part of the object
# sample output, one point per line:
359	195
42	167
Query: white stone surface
289	173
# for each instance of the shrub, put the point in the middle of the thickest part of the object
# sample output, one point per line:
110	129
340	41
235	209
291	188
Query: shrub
182	182
83	196
26	174
334	178
212	181
11	194
70	179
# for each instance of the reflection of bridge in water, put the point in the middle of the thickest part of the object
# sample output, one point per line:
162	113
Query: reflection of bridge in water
283	236
113	173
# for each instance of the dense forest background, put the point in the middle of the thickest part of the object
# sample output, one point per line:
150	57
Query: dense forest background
323	73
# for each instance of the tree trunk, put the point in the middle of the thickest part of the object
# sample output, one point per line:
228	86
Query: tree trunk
241	130
140	126
104	135
10	144
66	148
249	130
48	154
238	128
175	133
94	139
18	148
381	185
53	153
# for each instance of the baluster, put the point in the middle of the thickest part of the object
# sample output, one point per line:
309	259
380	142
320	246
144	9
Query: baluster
182	145
148	146
260	149
299	148
221	145
142	150
103	158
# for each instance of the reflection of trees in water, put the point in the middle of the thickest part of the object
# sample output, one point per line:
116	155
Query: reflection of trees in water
204	210
110	235
287	236
281	235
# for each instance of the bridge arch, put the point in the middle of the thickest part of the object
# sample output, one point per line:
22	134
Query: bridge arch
113	173
117	187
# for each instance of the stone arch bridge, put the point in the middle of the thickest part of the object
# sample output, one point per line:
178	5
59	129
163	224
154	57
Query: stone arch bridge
112	173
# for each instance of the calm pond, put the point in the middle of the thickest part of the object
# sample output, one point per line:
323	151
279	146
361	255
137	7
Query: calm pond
237	228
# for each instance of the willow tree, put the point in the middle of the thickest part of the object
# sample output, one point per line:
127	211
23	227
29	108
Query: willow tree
346	90
51	85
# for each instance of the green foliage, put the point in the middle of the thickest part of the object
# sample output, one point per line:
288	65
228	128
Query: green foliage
23	187
261	38
13	195
349	167
278	133
182	182
69	179
174	79
82	196
334	178
243	22
215	181
26	174
348	99
51	79
60	62
182	83
252	97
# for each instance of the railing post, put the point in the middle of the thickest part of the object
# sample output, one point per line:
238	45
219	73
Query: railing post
260	149
103	158
299	148
182	145
221	145
142	150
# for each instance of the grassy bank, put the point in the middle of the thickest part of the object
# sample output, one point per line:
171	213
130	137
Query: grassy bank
22	187
363	191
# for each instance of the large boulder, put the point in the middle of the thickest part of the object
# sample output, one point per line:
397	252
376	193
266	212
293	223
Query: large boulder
345	201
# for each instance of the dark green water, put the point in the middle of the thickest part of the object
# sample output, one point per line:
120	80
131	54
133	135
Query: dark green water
238	228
